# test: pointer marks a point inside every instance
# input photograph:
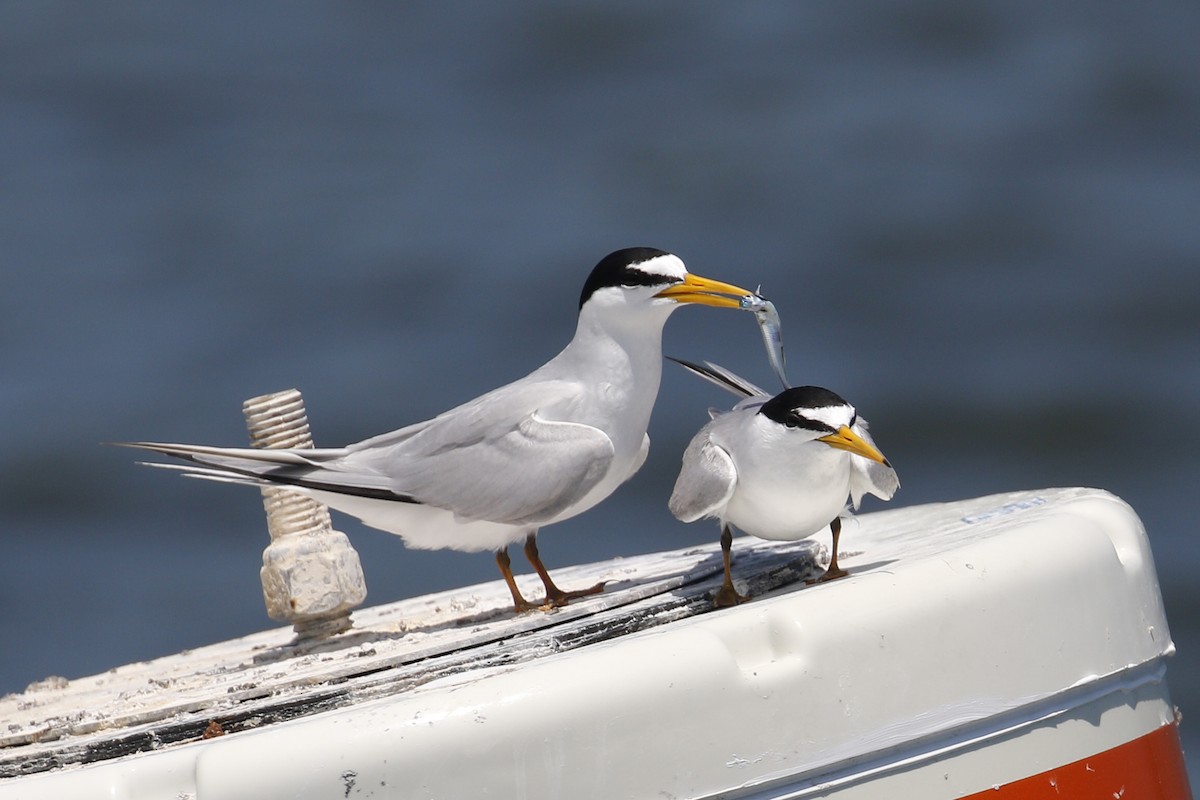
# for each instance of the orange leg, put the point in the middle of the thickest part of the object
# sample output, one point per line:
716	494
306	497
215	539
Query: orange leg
727	595
520	604
834	572
555	597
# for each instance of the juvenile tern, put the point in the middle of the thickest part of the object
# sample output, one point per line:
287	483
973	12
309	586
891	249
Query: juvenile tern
778	467
495	469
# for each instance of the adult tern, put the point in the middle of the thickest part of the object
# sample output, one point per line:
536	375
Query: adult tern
496	469
778	467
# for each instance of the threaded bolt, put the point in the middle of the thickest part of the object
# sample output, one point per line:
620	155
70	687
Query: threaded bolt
311	574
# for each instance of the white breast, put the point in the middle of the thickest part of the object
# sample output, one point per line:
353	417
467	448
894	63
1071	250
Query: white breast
786	488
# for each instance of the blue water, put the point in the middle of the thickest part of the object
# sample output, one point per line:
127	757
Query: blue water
979	222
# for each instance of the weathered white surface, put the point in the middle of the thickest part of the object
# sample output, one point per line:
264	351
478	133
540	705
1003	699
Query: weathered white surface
262	678
998	620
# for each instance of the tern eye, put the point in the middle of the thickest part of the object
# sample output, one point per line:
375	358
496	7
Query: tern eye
633	278
796	419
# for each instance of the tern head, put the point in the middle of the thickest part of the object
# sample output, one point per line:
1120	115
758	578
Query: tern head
645	276
820	415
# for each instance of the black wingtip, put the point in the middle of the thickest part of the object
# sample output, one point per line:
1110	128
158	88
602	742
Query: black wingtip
688	364
153	446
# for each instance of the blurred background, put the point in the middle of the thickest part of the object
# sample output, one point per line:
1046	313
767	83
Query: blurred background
979	222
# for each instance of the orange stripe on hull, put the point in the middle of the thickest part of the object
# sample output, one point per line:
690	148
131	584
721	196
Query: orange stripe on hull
1148	768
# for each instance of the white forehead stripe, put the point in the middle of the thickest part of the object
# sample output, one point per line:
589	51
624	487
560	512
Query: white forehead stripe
833	416
668	266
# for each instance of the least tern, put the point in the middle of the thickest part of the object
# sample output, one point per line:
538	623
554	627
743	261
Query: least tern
778	467
495	469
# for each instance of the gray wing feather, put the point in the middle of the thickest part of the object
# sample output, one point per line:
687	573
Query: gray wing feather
719	376
706	480
492	458
324	469
528	475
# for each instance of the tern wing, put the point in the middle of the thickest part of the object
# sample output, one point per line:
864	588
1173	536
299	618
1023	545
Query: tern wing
706	480
494	458
497	458
527	475
870	477
317	469
718	375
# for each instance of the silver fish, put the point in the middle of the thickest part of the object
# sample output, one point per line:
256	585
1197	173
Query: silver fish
771	330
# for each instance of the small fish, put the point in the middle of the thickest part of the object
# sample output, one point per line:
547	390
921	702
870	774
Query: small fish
772	332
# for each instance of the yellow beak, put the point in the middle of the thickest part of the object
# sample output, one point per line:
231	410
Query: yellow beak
695	289
846	439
